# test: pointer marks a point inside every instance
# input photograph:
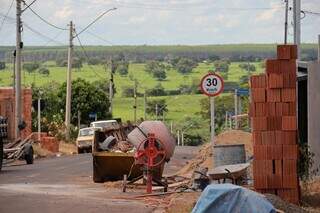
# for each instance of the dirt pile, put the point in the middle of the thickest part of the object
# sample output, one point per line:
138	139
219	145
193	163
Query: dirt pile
204	157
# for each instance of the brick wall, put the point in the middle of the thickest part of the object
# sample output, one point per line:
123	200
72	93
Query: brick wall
7	104
274	126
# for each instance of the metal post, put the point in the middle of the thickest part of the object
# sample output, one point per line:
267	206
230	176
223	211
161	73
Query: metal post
182	138
18	70
145	105
79	119
297	24
226	121
156	112
319	48
135	101
69	79
39	118
111	90
171	127
236	108
212	119
286	23
178	136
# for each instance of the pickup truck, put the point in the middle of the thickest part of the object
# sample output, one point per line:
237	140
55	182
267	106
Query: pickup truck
85	139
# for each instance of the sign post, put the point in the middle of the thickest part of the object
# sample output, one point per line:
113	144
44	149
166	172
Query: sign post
212	85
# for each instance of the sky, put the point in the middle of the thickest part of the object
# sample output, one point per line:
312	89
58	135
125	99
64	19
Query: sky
158	22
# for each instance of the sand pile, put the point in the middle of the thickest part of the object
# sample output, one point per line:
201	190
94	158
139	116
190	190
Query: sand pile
204	157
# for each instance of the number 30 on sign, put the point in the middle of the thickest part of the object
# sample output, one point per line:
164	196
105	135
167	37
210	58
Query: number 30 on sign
212	84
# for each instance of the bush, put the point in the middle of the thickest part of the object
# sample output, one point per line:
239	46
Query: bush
44	71
156	69
185	65
2	65
248	67
222	66
192	140
30	66
94	61
158	90
159	104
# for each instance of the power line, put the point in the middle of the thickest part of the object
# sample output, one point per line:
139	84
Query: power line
27	5
42	35
6	16
95	20
86	55
99	37
43	19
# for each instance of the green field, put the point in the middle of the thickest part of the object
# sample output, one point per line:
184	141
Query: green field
136	71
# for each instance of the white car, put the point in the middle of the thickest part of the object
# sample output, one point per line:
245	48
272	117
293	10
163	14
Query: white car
85	139
104	124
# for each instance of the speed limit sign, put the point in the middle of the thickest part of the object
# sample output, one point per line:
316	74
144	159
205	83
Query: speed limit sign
212	84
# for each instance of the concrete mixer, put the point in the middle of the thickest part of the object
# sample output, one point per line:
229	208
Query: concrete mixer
152	143
155	146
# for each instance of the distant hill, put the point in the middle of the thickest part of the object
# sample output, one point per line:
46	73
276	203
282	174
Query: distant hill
234	52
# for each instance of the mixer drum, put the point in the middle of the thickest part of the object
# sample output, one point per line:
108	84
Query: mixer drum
161	132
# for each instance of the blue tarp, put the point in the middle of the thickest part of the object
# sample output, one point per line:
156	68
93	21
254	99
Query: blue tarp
228	198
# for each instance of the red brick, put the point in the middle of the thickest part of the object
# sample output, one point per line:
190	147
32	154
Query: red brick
258	81
274	123
274	152
290	181
288	95
260	182
289	80
252	110
260	152
289	167
259	123
268	138
275	81
287	51
274	181
290	195
279	108
289	137
256	138
288	66
273	66
289	109
290	152
279	137
274	95
258	95
289	123
260	109
270	109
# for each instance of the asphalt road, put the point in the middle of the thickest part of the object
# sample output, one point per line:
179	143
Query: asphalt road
64	184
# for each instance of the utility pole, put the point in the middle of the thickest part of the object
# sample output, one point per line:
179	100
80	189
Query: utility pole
319	48
69	81
18	70
297	24
145	105
236	108
113	70
39	117
178	136
286	22
156	112
135	101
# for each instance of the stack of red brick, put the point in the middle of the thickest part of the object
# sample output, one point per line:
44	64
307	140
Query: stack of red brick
274	126
50	143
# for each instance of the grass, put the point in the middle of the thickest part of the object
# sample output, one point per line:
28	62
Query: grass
136	71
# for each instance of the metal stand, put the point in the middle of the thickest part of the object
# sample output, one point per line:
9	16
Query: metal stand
151	155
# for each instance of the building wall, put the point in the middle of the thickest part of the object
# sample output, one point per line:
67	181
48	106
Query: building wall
314	111
7	104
